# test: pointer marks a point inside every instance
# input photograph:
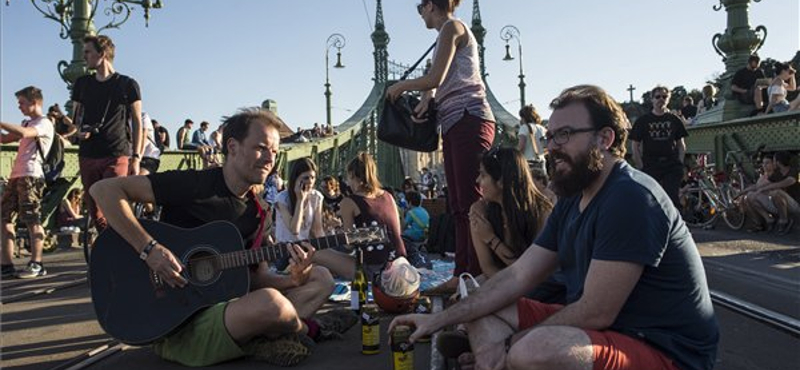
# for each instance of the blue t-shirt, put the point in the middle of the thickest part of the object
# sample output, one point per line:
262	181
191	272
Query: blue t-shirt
632	219
414	230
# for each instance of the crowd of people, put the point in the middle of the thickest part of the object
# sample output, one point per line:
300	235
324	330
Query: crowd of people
583	259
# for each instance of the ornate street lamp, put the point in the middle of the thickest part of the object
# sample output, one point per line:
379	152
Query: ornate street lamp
76	18
507	33
334	41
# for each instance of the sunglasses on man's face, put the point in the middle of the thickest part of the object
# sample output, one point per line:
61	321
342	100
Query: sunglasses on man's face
420	7
659	97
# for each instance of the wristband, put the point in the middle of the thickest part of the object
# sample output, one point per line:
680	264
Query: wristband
146	251
491	241
135	155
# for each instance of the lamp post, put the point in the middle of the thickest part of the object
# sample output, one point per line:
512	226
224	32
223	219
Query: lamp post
334	41
507	33
76	18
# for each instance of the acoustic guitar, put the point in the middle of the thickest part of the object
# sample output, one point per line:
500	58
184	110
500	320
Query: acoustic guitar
136	307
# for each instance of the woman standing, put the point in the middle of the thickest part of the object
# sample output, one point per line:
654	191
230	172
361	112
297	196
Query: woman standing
464	115
299	205
531	138
511	213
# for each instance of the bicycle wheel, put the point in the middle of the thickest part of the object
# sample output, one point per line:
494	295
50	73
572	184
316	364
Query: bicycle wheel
733	215
697	209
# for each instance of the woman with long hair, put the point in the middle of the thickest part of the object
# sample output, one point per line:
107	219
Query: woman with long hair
778	89
368	204
69	212
511	213
463	113
299	205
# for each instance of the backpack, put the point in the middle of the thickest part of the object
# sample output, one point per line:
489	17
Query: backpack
53	163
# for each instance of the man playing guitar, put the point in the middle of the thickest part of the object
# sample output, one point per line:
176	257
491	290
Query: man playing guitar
273	321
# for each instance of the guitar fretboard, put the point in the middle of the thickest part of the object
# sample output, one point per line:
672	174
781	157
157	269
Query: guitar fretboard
273	253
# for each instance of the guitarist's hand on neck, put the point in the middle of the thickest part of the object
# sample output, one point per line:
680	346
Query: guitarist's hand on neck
300	262
163	262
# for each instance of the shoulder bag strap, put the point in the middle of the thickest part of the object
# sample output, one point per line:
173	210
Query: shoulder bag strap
414	66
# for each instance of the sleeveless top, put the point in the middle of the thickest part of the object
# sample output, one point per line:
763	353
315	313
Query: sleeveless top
381	210
777	90
462	89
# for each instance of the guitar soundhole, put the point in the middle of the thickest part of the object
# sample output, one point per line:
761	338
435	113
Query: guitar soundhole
202	268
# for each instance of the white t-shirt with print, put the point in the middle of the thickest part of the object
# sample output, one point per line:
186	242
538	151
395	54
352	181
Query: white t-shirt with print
524	134
29	162
282	232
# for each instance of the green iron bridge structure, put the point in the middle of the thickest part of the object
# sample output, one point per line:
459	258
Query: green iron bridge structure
718	131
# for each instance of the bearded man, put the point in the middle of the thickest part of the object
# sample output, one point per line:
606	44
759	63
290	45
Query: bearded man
637	296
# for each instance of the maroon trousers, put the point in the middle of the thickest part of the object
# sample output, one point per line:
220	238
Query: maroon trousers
94	170
462	146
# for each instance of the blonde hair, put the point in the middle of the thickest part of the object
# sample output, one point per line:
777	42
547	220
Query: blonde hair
363	167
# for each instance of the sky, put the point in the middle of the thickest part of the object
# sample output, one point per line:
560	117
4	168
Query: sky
203	59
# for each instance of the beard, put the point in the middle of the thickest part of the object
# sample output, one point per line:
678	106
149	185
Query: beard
583	171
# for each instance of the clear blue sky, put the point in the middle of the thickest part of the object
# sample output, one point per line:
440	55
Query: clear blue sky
204	59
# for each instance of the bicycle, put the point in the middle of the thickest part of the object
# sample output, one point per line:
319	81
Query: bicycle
712	194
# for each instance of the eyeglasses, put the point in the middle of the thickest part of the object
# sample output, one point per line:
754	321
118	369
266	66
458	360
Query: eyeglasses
659	97
421	6
561	137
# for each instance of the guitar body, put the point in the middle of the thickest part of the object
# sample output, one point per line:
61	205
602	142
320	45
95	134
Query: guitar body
134	306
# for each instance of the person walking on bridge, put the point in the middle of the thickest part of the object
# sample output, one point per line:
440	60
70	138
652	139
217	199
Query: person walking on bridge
464	115
103	103
658	146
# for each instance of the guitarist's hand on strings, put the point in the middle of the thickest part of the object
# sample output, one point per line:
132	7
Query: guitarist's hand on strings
300	262
166	266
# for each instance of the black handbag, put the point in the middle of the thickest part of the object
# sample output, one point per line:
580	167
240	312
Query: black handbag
396	127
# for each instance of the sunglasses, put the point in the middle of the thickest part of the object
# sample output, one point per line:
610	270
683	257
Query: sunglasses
660	97
421	7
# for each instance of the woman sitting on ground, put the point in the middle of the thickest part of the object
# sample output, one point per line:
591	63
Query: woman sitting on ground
367	205
299	205
511	213
69	212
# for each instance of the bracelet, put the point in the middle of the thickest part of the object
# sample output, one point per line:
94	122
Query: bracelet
491	241
147	248
494	249
135	155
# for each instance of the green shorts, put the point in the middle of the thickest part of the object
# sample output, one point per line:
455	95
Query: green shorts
203	341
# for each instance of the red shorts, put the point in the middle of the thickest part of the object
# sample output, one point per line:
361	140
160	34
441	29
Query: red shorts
612	350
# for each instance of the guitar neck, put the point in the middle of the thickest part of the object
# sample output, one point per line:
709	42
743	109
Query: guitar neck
275	252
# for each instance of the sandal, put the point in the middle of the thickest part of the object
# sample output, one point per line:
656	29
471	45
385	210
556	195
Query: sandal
784	227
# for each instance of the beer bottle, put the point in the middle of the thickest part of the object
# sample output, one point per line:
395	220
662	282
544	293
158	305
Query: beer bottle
402	349
370	330
358	288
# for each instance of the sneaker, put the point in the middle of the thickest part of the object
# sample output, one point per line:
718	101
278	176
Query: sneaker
287	350
334	323
33	270
8	271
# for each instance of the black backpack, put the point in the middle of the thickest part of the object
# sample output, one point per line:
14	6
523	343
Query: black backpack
53	163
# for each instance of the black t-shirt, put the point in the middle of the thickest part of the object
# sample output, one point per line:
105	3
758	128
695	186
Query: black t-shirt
659	136
746	78
110	99
332	203
632	219
689	111
794	189
194	198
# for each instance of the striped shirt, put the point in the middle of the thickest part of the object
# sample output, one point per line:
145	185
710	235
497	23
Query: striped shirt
463	89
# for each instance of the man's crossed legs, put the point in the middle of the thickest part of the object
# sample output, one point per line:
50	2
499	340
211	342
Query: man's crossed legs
552	347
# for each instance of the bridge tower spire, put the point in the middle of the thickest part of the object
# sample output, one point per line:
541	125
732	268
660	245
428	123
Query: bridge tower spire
380	39
480	33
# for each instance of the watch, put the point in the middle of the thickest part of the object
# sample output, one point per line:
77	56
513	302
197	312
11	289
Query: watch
146	251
